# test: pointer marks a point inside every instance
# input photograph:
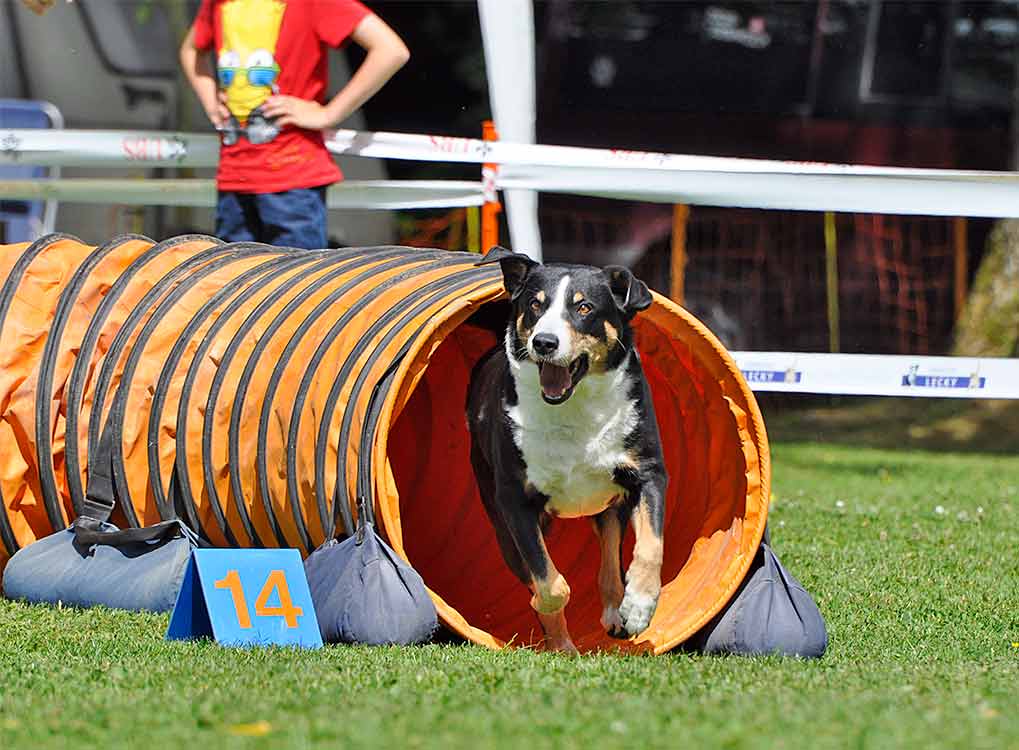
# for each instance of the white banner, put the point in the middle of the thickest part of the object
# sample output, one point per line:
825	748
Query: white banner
380	194
880	375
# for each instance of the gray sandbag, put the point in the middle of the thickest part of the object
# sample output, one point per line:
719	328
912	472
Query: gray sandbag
94	563
366	593
771	613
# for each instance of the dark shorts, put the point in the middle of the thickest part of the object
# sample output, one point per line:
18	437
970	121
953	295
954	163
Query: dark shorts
293	218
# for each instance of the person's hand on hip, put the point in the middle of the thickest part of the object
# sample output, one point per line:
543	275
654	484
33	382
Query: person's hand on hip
301	113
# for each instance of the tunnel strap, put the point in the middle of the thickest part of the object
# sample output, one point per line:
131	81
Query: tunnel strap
100	494
48	361
92	527
89	531
172	284
122	339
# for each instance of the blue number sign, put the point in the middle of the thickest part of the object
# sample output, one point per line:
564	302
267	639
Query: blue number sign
245	597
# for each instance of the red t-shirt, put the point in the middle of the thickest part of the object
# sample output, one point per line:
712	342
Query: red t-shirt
274	46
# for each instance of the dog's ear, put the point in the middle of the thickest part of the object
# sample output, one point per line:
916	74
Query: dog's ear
630	293
515	267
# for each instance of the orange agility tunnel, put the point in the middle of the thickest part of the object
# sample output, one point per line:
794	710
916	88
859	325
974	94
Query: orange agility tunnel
258	392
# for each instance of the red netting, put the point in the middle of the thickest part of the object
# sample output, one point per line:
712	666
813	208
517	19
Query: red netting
446	230
758	279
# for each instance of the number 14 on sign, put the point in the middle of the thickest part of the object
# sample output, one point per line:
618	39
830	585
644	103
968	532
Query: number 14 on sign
277	581
214	599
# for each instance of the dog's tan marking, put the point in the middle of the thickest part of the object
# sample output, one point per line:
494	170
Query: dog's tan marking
557	636
645	571
552	593
611	334
522	330
597	351
540	296
610	574
578	297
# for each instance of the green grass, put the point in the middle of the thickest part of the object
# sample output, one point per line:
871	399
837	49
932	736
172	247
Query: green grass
911	555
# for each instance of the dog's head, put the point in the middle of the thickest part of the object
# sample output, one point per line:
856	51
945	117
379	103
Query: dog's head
568	320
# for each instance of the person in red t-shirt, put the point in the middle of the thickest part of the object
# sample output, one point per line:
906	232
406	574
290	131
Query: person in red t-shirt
267	100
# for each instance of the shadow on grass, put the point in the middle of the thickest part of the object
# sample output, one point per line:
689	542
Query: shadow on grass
947	425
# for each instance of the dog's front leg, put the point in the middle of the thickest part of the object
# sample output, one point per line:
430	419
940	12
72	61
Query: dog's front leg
644	576
609	526
550	591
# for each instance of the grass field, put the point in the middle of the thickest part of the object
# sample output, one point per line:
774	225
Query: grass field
911	555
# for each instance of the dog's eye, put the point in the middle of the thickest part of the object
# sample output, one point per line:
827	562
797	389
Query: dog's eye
535	306
584	309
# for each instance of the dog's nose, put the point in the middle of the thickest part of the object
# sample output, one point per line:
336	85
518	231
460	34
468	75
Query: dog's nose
545	343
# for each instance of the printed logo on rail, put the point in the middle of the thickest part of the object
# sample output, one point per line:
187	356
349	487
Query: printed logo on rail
10	145
788	375
943	377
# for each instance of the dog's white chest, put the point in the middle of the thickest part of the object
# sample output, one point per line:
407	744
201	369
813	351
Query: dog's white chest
572	449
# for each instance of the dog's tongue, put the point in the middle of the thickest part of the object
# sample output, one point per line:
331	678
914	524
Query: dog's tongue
555	380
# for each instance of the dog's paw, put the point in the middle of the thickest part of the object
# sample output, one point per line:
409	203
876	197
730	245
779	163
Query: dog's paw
636	611
613	623
561	645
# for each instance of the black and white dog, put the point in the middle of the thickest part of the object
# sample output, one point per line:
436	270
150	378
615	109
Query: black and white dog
562	424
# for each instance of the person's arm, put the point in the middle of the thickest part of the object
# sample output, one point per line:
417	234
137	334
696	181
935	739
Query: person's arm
197	69
386	54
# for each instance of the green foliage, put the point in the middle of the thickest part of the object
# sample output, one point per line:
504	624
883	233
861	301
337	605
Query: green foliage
910	554
989	324
143	12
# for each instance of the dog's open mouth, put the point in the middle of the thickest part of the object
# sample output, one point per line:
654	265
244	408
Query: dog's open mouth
558	382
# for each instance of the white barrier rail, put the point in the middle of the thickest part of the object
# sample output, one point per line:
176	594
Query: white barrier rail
364	194
880	375
992	196
637	175
707	180
107	148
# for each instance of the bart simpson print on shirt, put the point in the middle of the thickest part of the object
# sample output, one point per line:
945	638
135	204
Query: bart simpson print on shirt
247	66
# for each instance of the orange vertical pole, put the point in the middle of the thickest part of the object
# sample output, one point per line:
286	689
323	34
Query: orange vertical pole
677	260
491	208
961	264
